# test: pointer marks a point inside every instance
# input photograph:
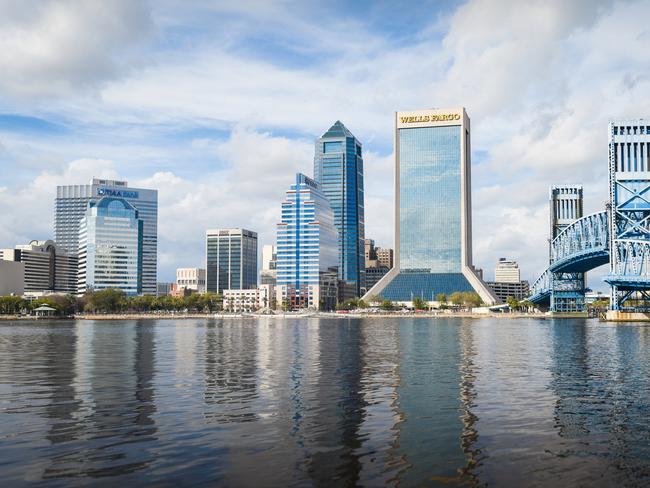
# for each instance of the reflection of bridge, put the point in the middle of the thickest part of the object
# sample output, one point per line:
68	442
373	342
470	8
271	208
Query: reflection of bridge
619	235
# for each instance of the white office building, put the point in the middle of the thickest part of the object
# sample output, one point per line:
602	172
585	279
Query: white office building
191	279
507	271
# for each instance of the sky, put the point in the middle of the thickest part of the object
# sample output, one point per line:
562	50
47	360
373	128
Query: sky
218	104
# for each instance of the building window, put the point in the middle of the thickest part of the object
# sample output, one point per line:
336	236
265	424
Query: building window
330	147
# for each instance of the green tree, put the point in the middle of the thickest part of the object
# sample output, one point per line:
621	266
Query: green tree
456	298
361	303
471	299
12	305
441	298
109	300
420	304
513	303
386	305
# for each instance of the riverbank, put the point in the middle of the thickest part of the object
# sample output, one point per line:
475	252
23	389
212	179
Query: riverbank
182	316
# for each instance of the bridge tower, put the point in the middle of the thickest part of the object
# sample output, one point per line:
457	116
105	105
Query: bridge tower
629	208
568	288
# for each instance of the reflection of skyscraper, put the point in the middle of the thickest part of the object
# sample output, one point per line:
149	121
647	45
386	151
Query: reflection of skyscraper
433	217
338	168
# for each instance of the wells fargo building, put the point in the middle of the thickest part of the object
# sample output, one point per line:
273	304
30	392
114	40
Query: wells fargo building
433	211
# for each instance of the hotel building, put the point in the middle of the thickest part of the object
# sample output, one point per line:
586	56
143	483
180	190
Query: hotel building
433	216
338	169
307	249
111	247
72	202
231	259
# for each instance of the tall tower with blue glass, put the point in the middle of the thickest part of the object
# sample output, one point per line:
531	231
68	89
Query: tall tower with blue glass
338	168
433	209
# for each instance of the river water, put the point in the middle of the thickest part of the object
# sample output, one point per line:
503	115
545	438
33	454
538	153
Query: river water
325	402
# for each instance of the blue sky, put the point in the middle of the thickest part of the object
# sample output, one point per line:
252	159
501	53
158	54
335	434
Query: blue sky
217	104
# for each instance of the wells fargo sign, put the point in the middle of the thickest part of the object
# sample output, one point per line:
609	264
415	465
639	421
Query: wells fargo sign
412	119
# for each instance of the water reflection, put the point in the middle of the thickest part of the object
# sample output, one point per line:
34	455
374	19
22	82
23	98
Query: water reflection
319	402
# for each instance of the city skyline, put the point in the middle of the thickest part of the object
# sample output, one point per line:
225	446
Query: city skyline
540	97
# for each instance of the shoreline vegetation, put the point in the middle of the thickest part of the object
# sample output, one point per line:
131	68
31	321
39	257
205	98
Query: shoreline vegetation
279	315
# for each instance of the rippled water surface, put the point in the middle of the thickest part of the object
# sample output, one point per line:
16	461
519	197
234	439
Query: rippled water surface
325	402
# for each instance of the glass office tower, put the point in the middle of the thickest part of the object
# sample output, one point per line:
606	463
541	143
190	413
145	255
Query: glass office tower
231	256
433	247
72	202
307	249
110	247
338	168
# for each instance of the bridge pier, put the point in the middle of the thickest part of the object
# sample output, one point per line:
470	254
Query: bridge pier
568	293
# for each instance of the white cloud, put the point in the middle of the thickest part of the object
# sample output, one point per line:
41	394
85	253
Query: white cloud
53	47
27	212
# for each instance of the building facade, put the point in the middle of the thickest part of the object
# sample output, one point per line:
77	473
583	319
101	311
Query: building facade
191	278
47	269
231	259
385	257
433	219
268	273
503	290
72	202
507	271
307	249
252	300
338	169
111	247
12	277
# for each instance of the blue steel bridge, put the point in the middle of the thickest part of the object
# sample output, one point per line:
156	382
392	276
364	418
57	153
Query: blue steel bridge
618	235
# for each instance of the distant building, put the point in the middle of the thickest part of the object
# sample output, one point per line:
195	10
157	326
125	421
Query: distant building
268	274
248	300
110	247
70	208
12	277
307	250
373	275
163	289
503	290
566	205
433	219
231	259
507	271
378	263
338	169
47	269
385	257
370	253
191	278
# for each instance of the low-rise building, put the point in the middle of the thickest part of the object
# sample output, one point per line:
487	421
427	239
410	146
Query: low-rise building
503	290
248	300
46	268
163	289
191	278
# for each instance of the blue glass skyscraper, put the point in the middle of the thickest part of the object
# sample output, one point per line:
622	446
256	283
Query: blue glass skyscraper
433	209
111	247
338	168
307	251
